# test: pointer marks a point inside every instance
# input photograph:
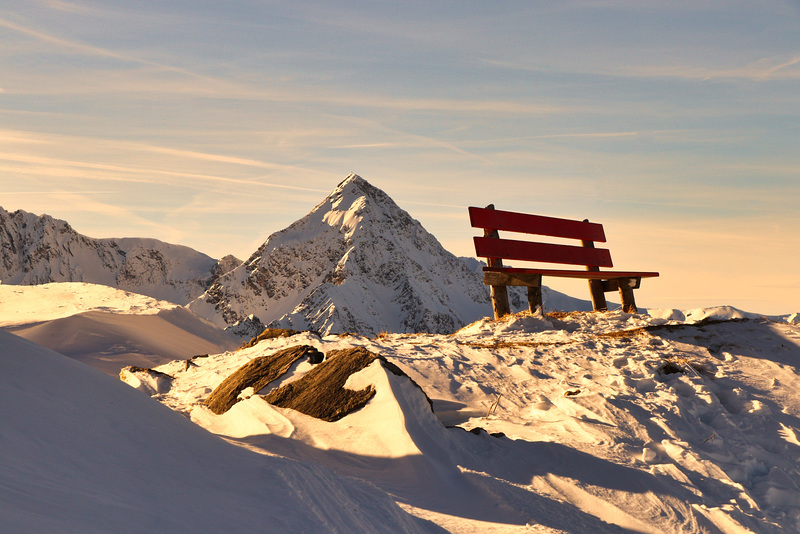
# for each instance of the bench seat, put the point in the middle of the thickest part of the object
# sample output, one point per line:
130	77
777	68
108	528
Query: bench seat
565	273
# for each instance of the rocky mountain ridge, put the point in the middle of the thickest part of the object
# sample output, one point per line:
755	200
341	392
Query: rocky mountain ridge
41	249
356	263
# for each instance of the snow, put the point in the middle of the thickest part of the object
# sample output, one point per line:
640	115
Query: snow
82	452
32	304
107	328
599	433
665	421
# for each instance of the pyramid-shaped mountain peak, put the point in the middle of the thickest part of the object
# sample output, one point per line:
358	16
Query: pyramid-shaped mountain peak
357	263
358	197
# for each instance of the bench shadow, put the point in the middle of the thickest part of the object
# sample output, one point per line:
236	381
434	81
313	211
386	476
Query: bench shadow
765	342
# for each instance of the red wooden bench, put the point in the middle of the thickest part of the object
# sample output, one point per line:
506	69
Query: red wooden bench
495	250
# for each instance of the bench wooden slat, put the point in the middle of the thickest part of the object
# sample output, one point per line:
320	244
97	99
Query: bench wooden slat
510	221
498	277
513	249
563	273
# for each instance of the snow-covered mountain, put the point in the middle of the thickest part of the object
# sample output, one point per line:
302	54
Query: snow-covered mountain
356	263
40	249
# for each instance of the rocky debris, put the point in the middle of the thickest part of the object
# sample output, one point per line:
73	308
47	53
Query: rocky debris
321	393
256	374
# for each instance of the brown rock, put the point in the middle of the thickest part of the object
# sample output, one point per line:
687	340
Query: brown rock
321	393
256	374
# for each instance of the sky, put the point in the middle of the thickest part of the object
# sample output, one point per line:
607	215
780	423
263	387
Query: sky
212	124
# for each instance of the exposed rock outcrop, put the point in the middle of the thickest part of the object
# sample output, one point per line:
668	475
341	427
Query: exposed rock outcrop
256	374
321	393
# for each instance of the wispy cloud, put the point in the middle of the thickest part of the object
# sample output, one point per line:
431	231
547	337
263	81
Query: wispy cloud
62	168
61	5
80	206
134	173
64	45
764	70
56	194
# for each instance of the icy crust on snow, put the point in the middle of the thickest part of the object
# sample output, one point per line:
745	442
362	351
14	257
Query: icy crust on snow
672	421
82	452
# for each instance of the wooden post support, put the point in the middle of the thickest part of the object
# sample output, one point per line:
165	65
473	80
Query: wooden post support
499	294
626	294
595	286
535	299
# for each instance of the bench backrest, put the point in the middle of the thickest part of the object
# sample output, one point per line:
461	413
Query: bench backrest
509	221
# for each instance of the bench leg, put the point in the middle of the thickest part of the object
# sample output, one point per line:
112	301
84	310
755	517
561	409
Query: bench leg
535	299
598	296
500	304
626	294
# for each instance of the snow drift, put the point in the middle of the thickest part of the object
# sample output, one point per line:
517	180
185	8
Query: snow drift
108	328
82	452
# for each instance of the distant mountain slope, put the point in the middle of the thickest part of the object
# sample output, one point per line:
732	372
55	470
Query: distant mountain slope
356	263
40	249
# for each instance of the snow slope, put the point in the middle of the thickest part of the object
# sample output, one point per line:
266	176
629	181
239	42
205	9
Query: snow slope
667	422
82	452
107	328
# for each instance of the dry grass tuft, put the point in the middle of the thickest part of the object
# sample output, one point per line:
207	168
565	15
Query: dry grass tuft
270	333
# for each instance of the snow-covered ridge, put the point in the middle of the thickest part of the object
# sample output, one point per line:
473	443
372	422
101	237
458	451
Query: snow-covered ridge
680	421
34	304
107	328
40	249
